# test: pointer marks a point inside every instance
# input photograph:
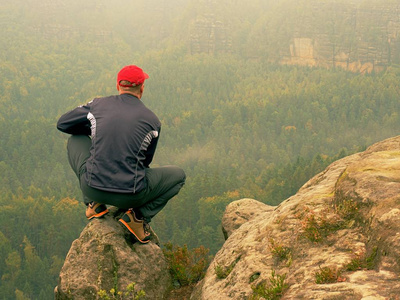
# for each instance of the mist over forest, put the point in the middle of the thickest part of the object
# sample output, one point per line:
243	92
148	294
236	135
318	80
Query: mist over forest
254	97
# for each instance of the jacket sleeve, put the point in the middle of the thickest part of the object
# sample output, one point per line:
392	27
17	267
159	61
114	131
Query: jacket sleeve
75	121
151	150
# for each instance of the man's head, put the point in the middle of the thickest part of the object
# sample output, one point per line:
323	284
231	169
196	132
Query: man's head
130	80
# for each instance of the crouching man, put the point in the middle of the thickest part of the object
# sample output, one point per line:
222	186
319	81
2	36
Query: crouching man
113	141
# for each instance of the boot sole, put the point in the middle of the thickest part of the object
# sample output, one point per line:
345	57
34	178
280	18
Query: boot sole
134	234
99	215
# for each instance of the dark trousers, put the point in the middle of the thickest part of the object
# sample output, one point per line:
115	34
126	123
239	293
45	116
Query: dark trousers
162	183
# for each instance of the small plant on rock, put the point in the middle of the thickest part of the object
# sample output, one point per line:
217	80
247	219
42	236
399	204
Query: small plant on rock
316	228
274	290
348	209
223	272
130	293
328	275
363	261
279	251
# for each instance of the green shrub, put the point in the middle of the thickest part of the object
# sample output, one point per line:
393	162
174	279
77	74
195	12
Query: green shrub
363	261
348	209
317	228
130	293
223	272
274	290
327	275
357	263
186	266
371	260
279	251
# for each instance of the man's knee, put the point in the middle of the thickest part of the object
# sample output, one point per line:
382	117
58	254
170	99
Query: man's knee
179	174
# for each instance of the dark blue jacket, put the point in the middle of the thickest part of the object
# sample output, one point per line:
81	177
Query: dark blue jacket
124	135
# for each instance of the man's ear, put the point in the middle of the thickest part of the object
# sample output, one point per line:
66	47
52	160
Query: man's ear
117	87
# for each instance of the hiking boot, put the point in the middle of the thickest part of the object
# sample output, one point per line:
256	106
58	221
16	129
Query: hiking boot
135	226
95	210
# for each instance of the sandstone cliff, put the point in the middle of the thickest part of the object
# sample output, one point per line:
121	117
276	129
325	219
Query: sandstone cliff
337	238
103	258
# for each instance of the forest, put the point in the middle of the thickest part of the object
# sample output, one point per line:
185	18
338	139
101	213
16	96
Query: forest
241	124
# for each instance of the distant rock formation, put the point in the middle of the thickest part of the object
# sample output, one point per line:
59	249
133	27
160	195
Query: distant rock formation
103	258
358	36
337	238
355	35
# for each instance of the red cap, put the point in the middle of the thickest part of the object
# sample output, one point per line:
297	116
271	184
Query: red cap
133	74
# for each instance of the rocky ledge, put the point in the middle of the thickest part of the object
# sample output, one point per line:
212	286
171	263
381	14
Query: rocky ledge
104	258
337	238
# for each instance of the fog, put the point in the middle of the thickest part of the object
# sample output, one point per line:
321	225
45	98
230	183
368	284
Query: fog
254	97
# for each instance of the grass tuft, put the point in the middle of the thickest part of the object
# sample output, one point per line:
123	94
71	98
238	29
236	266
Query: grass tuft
273	290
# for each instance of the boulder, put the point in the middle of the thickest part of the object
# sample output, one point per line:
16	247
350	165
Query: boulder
241	211
338	237
104	258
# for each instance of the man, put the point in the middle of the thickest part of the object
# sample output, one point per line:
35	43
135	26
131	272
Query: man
112	145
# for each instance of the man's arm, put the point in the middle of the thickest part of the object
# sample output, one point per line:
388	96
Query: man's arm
151	150
75	121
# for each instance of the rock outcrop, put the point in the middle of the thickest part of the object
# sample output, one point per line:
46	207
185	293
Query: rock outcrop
241	211
103	258
337	238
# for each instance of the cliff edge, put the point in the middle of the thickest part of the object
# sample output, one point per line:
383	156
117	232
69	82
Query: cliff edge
337	238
